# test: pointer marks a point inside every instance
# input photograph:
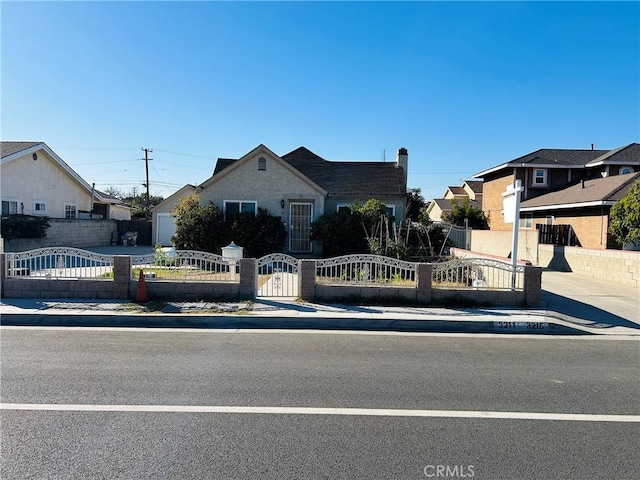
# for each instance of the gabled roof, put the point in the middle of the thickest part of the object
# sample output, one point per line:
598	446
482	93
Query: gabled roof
587	193
457	190
627	155
550	158
225	166
188	189
443	203
476	186
14	150
349	179
340	179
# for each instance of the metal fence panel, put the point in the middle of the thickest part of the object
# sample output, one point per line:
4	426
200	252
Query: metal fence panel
59	262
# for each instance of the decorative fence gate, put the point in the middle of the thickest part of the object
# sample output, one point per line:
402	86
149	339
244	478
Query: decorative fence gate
278	276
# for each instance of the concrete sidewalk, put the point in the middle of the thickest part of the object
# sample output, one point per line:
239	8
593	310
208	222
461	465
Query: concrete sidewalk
279	313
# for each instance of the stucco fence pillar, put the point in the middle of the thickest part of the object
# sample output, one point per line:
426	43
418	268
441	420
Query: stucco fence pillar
424	282
248	278
532	285
2	273
307	280
121	276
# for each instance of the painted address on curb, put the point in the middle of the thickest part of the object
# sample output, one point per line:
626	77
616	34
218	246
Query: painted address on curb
541	327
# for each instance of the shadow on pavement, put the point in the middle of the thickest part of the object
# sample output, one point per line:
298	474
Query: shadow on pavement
583	313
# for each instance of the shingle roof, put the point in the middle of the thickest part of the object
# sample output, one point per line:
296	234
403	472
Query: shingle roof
443	203
607	189
351	179
457	190
557	156
475	185
9	148
627	154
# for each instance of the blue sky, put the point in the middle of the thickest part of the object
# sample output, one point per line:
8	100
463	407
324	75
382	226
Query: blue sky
463	86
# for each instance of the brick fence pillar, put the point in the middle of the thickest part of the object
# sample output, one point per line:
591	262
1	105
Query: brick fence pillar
121	276
307	280
424	273
248	278
532	285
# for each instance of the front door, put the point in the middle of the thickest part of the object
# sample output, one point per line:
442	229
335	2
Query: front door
300	216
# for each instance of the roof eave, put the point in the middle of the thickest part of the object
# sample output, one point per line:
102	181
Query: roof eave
565	206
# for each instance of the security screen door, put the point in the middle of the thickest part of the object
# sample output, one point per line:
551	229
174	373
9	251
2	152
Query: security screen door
300	227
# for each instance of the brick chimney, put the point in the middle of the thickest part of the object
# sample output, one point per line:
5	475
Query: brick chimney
402	161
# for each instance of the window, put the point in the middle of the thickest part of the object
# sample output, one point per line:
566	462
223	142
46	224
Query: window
9	207
343	208
70	211
262	164
548	220
539	177
235	207
39	207
625	170
526	220
391	211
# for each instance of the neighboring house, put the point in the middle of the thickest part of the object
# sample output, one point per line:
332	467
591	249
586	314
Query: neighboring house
163	222
299	187
557	174
36	181
470	189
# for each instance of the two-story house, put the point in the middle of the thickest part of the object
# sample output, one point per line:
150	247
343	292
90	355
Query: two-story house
562	186
470	190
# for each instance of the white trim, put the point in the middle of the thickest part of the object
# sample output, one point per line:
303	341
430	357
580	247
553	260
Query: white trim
291	204
239	202
598	203
11	200
534	177
75	206
39	212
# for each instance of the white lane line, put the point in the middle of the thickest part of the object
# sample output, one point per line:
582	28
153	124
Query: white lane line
367	412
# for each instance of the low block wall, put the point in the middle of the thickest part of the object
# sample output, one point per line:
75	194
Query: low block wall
620	266
78	233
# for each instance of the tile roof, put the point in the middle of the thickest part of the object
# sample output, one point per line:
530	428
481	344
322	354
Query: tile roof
607	189
9	148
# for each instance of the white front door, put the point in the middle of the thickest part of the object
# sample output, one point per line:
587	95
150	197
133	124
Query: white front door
300	217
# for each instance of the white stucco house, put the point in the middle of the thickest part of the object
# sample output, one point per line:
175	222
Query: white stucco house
34	180
299	187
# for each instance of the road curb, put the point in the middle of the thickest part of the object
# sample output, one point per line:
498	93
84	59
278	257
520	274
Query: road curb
240	322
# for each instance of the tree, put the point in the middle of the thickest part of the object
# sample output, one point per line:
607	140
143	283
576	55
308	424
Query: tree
462	209
198	227
624	218
340	233
203	228
415	204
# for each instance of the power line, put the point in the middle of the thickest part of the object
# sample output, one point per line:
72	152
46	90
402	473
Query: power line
146	166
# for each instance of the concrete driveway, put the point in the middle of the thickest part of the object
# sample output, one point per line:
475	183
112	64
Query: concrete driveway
592	302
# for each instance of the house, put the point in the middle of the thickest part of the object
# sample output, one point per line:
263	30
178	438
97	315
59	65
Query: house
553	193
36	181
162	221
299	187
470	189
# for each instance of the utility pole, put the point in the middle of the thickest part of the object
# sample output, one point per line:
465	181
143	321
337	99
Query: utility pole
146	166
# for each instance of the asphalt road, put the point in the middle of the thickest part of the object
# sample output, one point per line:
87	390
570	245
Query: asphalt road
277	406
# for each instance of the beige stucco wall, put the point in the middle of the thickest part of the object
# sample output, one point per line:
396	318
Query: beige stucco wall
26	180
590	229
267	188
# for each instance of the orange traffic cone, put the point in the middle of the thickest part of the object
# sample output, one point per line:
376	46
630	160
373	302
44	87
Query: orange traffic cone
142	296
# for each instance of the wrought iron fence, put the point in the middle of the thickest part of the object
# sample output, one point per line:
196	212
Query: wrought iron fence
184	265
278	275
59	262
478	273
366	269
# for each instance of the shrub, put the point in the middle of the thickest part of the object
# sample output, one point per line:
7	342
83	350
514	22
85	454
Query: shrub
624	219
23	226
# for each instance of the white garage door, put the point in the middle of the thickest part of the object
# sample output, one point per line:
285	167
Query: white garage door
166	229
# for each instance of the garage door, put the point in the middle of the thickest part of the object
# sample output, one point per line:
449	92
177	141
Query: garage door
166	229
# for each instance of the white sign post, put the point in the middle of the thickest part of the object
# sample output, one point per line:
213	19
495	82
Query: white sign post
511	208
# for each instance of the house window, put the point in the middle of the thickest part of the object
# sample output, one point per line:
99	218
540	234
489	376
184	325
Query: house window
39	207
9	207
262	164
391	211
548	220
539	177
234	207
343	208
70	211
625	170
526	220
